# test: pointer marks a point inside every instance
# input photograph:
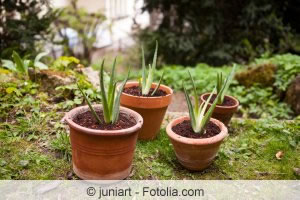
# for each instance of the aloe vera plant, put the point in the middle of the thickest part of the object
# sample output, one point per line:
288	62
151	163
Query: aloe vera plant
226	83
146	81
199	118
110	98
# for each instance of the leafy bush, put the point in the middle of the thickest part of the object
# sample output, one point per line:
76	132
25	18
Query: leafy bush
217	32
22	24
256	101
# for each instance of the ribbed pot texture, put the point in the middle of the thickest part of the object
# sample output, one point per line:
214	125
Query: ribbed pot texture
222	113
102	154
196	154
152	109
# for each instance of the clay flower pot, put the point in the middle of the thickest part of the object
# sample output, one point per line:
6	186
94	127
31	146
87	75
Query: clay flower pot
222	113
196	154
102	154
152	109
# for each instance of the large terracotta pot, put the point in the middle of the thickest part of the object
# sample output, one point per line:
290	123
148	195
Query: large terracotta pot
222	113
102	154
152	109
196	154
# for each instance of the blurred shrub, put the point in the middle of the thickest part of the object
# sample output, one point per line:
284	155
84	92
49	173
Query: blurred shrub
22	24
217	32
85	26
256	100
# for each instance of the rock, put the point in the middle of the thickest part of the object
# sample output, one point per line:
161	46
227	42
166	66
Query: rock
92	75
293	95
262	74
50	79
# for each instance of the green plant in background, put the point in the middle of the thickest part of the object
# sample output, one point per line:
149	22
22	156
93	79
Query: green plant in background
221	32
64	62
86	26
110	99
24	24
199	119
226	83
146	82
21	65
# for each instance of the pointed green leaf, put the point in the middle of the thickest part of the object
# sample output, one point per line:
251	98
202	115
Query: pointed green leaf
155	56
158	85
143	69
40	56
117	100
190	107
90	106
195	94
18	62
103	95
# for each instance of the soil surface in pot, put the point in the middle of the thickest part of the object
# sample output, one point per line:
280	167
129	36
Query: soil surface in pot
136	91
185	129
86	119
226	102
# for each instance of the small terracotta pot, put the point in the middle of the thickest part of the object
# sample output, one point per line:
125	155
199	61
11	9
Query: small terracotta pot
222	113
102	154
152	109
196	154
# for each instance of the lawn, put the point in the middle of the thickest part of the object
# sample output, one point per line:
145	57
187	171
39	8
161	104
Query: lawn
38	148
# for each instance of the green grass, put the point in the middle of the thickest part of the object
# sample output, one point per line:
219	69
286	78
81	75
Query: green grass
248	153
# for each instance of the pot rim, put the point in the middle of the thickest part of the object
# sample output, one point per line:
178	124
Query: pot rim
168	90
202	141
69	116
237	103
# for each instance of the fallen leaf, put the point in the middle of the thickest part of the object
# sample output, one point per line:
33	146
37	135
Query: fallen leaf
297	171
279	155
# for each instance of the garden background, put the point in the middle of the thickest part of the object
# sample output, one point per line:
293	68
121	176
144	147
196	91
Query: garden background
206	37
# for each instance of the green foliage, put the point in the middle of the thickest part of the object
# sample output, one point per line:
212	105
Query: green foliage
22	33
110	99
218	32
84	23
62	144
64	62
21	65
288	66
255	101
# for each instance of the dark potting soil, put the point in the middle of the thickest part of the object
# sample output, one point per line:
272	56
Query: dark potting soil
86	119
226	102
136	91
185	129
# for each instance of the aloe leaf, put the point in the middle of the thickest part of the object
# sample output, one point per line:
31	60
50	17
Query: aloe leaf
143	69
158	85
103	95
116	108
19	62
90	106
111	101
190	107
195	94
111	81
208	114
212	107
155	56
149	81
228	80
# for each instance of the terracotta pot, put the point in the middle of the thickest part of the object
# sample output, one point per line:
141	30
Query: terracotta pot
102	154
196	154
152	109
222	113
